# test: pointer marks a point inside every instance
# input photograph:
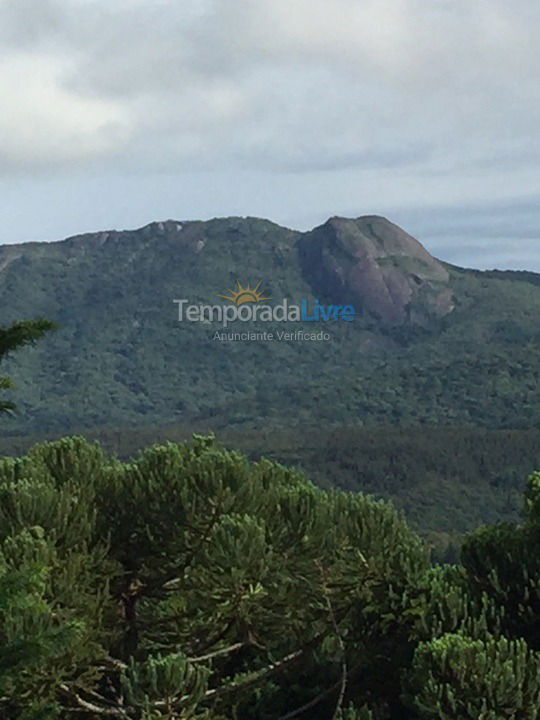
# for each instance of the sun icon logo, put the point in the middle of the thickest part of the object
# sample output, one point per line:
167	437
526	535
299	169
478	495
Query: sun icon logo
247	294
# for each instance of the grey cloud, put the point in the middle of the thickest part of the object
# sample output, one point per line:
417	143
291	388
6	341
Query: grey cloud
504	234
27	23
390	71
504	219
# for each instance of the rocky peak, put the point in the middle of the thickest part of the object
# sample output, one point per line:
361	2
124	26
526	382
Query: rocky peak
378	267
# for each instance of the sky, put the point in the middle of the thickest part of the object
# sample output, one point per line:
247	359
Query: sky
116	114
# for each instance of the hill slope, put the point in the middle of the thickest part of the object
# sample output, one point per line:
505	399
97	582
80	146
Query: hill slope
431	343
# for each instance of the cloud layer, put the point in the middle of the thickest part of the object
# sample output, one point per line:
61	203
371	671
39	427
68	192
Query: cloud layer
391	102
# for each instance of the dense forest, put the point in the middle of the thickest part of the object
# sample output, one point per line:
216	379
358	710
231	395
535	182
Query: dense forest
193	583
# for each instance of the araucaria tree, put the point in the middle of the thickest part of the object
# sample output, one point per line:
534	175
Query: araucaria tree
191	584
15	336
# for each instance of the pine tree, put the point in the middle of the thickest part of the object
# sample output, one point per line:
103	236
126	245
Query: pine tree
15	336
192	582
455	677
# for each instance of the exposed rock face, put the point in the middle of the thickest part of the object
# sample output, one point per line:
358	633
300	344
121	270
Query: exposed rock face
376	266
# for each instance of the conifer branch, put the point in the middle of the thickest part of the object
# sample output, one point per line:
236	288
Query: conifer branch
217	653
86	706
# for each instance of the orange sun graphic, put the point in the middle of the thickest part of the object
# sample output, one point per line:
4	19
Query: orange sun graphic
247	294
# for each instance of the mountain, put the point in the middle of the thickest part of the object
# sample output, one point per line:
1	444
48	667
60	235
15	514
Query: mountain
374	264
429	343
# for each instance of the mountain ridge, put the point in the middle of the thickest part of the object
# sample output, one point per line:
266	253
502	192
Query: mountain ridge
434	343
368	241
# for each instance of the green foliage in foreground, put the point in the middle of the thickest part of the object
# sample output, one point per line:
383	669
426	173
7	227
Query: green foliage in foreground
458	677
14	336
448	481
193	584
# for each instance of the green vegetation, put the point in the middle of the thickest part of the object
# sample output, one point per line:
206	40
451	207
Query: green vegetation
14	336
440	416
189	582
192	583
448	481
122	359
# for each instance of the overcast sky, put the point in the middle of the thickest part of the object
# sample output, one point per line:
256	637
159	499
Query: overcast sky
117	113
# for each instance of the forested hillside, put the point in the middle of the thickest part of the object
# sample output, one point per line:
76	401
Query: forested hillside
431	344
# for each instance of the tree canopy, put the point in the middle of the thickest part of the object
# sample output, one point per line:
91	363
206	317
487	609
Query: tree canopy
192	583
